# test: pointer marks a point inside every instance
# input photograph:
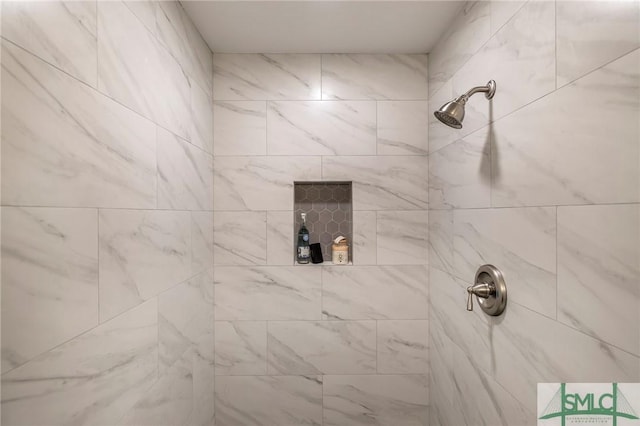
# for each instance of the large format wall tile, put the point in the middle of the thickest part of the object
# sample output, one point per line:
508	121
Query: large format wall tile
142	253
519	241
403	347
185	174
374	292
241	348
49	279
239	238
92	379
376	400
591	34
599	272
268	400
574	146
321	128
267	293
365	76
403	127
135	69
382	183
323	347
64	144
145	11
61	33
402	238
260	183
201	241
201	133
502	12
441	240
266	77
364	243
280	240
240	128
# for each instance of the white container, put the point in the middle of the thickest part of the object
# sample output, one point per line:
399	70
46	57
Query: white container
340	251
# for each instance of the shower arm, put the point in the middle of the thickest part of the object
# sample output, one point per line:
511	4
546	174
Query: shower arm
489	89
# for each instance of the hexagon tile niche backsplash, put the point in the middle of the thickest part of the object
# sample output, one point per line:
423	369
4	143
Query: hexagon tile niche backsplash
329	213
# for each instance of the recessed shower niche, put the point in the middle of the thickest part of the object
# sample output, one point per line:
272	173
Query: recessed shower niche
329	210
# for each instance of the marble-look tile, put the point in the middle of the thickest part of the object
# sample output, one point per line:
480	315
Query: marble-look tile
376	400
203	387
49	279
266	76
519	241
460	173
239	238
441	239
321	128
502	12
185	174
93	379
268	400
590	34
599	272
402	238
403	347
241	348
364	238
201	241
520	58
382	183
267	293
145	11
240	128
466	34
398	292
403	127
535	163
142	253
201	133
61	33
280	240
260	183
64	144
366	76
136	70
321	347
185	320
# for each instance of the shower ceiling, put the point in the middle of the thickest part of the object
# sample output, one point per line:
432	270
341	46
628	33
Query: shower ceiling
321	26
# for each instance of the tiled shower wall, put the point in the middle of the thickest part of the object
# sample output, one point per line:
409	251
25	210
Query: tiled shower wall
107	223
307	344
548	192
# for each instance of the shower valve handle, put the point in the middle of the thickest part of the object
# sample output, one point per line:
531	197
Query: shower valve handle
490	289
483	290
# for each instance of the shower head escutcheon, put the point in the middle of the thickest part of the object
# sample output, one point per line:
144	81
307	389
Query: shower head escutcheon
452	113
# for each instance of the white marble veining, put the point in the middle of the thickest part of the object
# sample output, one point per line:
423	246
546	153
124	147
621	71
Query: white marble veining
61	33
240	238
260	183
364	238
145	11
321	347
552	151
403	347
240	128
49	279
460	173
201	241
392	292
469	31
402	238
142	253
93	379
135	69
280	249
590	34
502	12
376	400
203	385
382	183
441	239
599	273
267	293
367	76
64	144
520	241
185	174
241	348
321	128
266	76
201	133
403	127
268	400
520	57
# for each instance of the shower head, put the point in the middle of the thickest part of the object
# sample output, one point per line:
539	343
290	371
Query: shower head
452	113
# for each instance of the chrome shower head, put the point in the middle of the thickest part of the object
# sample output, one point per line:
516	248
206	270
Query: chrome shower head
452	113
